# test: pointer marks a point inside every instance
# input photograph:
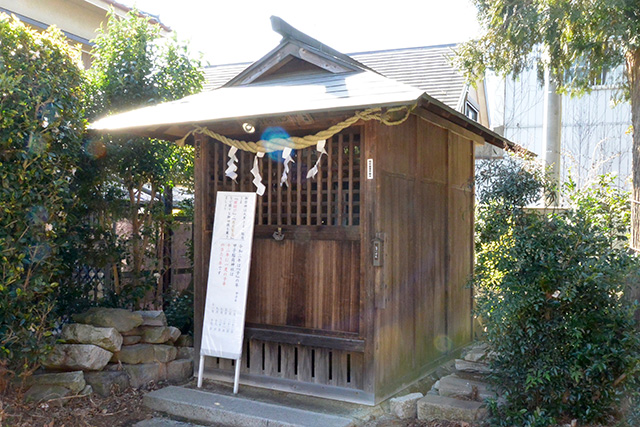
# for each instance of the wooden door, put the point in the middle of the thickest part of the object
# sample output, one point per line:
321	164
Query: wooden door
307	277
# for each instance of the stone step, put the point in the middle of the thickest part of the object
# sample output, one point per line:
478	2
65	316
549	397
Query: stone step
455	386
207	407
434	407
474	367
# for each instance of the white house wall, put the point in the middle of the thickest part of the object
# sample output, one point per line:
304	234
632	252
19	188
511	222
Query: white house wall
595	134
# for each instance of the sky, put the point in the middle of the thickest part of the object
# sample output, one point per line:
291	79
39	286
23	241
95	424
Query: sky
240	31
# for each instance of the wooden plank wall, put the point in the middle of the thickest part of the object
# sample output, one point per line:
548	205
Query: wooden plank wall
460	214
424	211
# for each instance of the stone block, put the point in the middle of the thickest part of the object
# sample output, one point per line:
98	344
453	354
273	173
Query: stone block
40	393
134	331
73	357
433	407
152	317
405	407
175	333
107	338
135	354
106	382
184	341
156	334
164	353
186	353
131	339
74	381
118	318
180	370
143	374
455	386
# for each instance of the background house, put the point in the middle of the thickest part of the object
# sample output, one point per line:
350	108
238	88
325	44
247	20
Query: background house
595	131
78	19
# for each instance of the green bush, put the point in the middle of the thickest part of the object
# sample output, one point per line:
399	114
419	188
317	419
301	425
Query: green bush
550	295
41	126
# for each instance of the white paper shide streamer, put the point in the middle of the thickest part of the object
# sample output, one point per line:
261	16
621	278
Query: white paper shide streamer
286	155
320	149
257	179
232	167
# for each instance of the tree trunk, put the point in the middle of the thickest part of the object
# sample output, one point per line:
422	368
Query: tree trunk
633	74
167	255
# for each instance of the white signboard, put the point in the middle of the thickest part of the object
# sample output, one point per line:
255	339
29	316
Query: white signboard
225	305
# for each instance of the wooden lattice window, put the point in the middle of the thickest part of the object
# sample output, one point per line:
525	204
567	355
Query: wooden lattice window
331	198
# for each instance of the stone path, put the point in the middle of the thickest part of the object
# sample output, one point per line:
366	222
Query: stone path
458	396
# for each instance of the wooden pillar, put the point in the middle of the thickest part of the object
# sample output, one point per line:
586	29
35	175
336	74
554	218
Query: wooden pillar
201	206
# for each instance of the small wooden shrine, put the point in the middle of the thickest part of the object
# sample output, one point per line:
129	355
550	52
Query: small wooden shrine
358	281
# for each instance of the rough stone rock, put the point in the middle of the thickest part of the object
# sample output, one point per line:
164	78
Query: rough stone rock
433	407
455	386
476	353
122	320
107	338
156	334
473	367
184	341
131	339
135	354
175	333
41	392
152	318
186	353
106	382
86	391
74	381
164	353
73	357
134	331
143	374
179	370
405	407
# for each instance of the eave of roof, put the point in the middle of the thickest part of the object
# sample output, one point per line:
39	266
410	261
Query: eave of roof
293	95
347	92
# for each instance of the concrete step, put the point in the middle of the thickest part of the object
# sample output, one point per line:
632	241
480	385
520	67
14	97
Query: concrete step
466	388
207	407
434	407
164	422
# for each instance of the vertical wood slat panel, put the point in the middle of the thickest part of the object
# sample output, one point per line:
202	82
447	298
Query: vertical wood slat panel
319	195
350	217
278	195
304	364
255	348
299	189
340	177
329	159
308	183
288	361
260	203
289	199
269	191
271	361
321	366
